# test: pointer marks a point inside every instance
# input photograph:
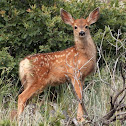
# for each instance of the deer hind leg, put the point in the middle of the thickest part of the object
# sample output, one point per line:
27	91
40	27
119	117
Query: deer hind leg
30	82
25	95
78	90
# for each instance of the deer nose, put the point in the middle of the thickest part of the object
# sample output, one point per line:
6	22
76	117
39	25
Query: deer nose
81	33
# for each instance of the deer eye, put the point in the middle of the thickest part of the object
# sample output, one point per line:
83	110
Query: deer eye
75	27
86	27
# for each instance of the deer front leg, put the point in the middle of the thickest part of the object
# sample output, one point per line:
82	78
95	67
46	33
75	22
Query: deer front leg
78	90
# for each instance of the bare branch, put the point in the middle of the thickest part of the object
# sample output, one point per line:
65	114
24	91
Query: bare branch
123	77
117	95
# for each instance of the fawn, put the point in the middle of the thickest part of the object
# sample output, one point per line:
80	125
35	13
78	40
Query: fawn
40	70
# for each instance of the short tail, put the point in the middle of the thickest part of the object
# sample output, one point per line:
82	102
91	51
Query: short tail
24	71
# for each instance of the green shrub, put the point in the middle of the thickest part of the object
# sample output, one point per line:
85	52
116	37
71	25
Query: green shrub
30	27
6	60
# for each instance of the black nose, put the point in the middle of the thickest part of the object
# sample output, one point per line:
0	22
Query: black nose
82	33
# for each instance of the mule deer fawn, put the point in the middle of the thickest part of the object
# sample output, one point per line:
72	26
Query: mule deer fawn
40	70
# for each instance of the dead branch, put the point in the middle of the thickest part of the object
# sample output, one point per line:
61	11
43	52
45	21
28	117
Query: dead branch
121	107
116	106
117	95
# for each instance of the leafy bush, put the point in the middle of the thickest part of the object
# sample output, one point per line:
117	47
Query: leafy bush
6	60
30	27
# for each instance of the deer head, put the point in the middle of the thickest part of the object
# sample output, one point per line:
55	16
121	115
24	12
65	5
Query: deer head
80	26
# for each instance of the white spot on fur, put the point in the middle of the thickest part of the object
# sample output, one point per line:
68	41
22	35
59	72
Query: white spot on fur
58	61
41	62
79	61
45	59
35	60
47	64
63	55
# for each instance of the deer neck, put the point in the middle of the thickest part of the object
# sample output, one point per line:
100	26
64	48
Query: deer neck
86	46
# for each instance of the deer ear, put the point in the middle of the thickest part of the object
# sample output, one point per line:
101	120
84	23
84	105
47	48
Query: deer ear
93	16
66	17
